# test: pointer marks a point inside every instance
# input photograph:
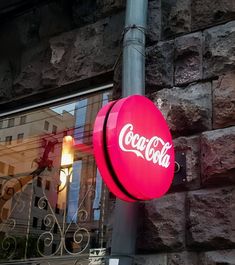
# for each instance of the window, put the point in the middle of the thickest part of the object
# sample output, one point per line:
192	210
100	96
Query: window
20	137
11	170
46	199
55	229
53	249
2	167
57	209
48	183
1	124
46	125
54	129
39	182
45	204
8	140
35	222
36	200
11	122
43	227
5	213
22	119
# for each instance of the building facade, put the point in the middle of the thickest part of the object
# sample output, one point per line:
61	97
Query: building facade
57	49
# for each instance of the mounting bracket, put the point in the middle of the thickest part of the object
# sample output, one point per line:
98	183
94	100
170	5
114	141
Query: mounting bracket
180	169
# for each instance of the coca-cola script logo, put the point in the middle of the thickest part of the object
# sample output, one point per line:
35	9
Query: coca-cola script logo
133	149
153	149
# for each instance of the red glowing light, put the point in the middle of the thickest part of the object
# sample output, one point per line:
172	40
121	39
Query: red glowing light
133	149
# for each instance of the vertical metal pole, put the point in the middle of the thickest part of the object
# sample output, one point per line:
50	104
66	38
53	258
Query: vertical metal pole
133	82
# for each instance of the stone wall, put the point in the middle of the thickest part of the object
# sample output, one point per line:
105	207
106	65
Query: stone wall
190	75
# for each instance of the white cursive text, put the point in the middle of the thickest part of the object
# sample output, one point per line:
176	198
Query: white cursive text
153	149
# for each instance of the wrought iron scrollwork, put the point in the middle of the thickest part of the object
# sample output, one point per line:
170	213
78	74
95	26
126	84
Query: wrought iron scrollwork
79	236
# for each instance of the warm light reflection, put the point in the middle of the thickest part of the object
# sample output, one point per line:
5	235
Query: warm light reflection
65	175
67	151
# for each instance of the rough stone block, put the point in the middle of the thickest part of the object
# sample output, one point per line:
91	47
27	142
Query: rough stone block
160	259
30	78
190	146
153	22
159	65
182	258
117	80
219	50
176	17
60	47
163	225
218	156
108	7
210	219
89	11
54	19
187	110
224	101
28	26
95	49
222	257
206	12
188	58
5	80
84	12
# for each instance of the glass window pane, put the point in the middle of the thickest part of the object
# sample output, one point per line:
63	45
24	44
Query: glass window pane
50	186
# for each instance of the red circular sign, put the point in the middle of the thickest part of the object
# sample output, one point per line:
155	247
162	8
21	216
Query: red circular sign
133	149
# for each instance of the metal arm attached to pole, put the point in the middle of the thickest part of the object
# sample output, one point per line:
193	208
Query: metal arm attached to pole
133	82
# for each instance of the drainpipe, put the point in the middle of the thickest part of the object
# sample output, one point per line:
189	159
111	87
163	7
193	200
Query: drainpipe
133	82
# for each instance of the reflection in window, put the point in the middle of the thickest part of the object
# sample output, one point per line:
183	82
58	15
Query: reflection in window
43	226
11	122
54	129
46	125
35	222
45	194
36	201
74	189
48	184
11	170
8	140
20	137
5	212
2	167
39	182
22	119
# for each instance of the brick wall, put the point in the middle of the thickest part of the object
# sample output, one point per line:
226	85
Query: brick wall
190	75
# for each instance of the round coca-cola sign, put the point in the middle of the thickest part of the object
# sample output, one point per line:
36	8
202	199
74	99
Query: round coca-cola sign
133	149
